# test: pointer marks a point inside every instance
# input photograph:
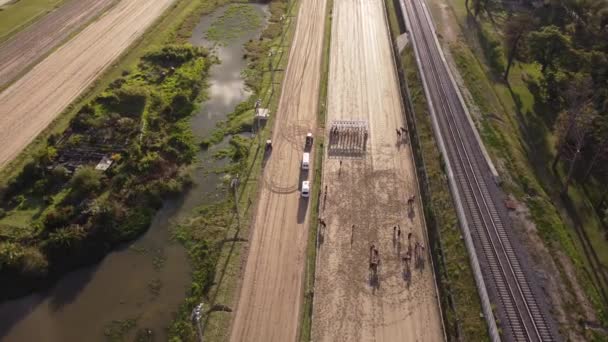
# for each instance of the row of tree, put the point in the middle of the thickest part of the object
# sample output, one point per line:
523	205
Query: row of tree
569	41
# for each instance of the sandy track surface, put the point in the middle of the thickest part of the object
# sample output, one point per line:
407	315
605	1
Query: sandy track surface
31	44
371	194
33	101
271	292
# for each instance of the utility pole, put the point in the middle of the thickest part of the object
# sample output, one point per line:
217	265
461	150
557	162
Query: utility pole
197	315
257	119
234	184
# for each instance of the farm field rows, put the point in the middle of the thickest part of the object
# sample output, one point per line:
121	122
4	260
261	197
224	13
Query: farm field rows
28	46
37	98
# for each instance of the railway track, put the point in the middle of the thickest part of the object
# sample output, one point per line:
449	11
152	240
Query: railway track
522	317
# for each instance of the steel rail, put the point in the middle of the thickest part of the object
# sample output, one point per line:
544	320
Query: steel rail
475	183
490	249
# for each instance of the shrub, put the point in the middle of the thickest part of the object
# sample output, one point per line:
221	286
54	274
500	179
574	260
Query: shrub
10	254
173	55
58	217
66	238
240	147
18	201
75	140
127	101
184	145
181	107
85	181
136	221
34	262
40	186
59	174
29	260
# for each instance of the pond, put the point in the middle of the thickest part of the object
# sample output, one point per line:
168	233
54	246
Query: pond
139	286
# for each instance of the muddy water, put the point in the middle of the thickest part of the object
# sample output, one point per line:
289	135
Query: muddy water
146	281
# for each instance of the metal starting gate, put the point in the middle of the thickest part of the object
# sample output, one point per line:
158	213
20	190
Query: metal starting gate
348	138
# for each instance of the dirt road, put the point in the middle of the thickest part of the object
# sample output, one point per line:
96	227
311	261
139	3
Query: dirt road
271	292
33	101
28	46
368	196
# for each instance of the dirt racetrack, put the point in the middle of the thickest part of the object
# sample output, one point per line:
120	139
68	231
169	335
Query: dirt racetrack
33	101
29	45
367	196
271	292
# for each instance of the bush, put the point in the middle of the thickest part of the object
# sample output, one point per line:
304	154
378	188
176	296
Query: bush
75	140
18	201
151	163
240	147
127	101
492	49
86	181
66	239
28	260
134	224
34	262
59	174
40	186
2	213
173	55
184	145
58	217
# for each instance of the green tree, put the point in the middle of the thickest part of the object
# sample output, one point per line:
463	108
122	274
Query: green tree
478	6
576	137
86	180
547	46
600	145
517	28
47	155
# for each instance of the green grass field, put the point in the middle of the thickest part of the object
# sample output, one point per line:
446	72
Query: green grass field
18	14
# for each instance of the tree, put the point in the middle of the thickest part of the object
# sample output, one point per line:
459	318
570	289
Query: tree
516	29
600	145
580	127
86	180
478	6
547	46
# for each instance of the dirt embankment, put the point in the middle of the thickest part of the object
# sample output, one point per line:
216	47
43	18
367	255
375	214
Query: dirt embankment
271	291
33	101
30	45
366	197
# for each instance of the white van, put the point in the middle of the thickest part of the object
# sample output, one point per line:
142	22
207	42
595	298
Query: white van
305	188
305	161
